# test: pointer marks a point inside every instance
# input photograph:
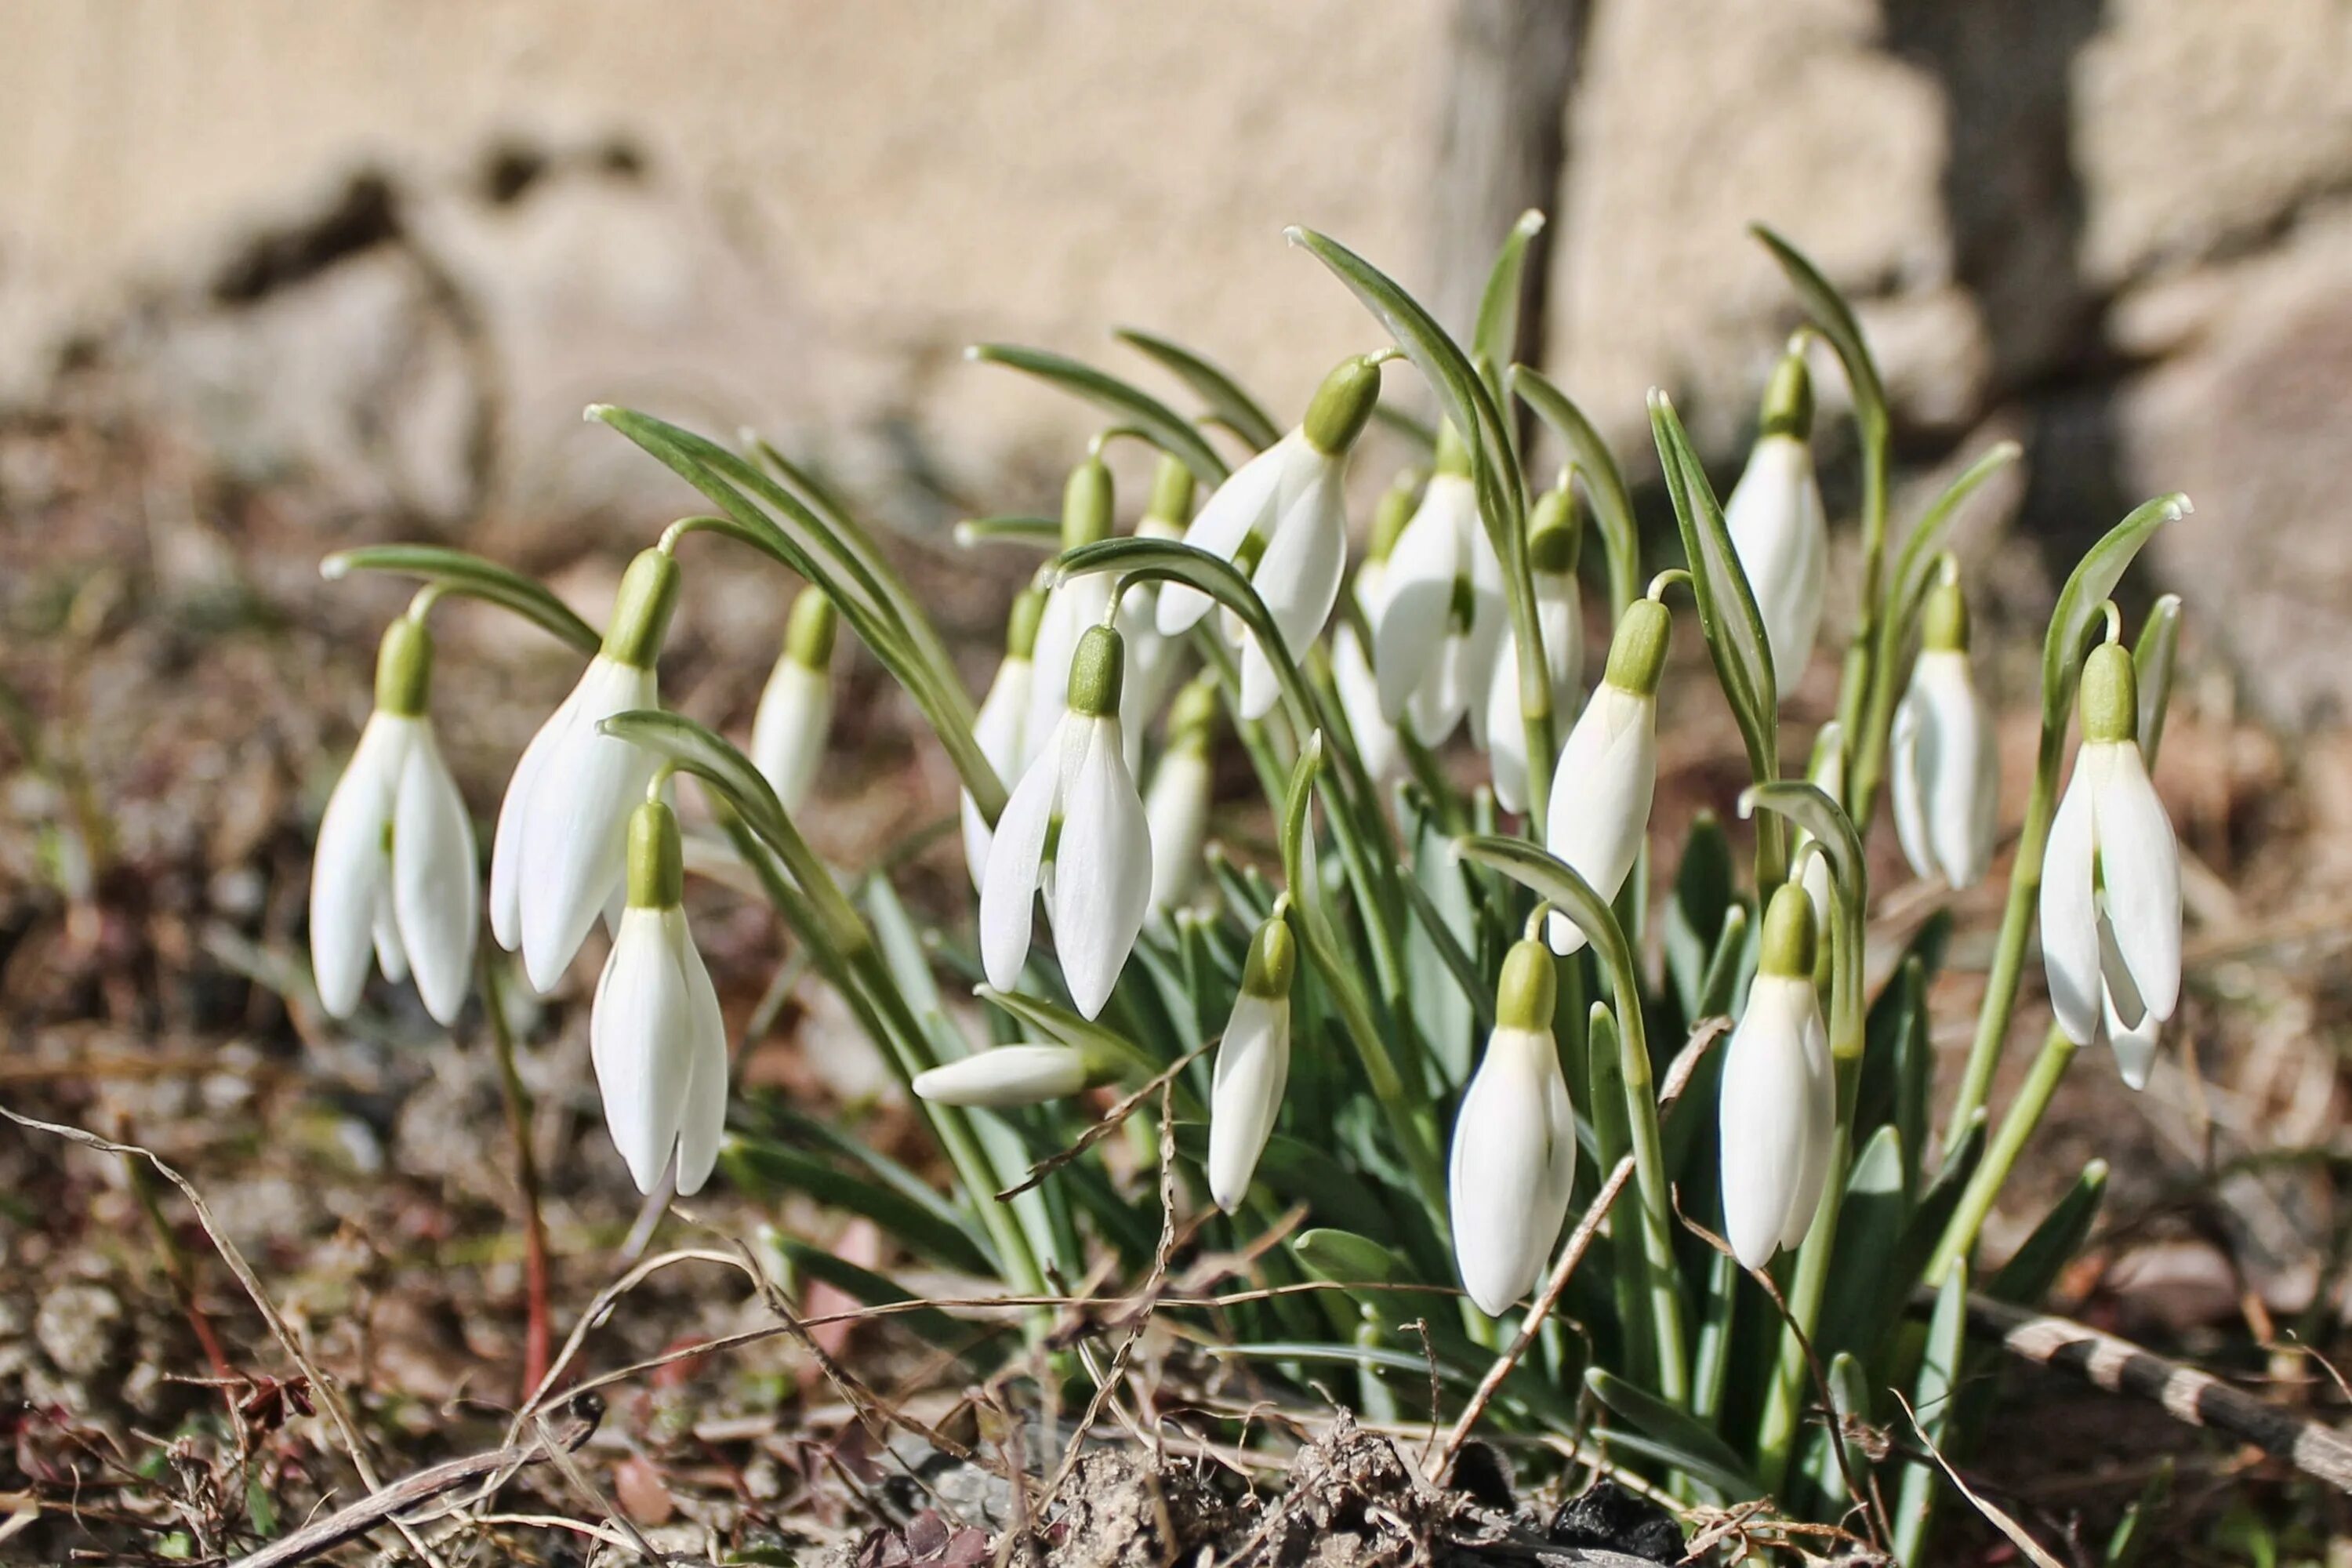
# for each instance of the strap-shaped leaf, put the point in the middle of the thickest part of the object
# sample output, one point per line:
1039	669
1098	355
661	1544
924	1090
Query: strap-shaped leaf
459	572
1166	429
869	1288
1834	317
1493	342
1234	407
1918	562
1604	482
2153	658
1727	604
801	480
2092	580
2034	1268
1031	532
1297	1172
1532	866
1672	1436
1931	1408
1865	1296
765	1168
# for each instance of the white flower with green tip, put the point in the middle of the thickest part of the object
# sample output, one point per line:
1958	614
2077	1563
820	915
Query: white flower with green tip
1946	762
1776	1111
795	713
1778	527
1514	1162
1252	1064
1602	787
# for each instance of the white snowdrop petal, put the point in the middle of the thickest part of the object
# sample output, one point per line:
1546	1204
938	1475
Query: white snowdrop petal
1906	783
436	879
1071	608
2069	915
1506	733
1103	888
1359	700
1781	537
1503	1191
506	843
702	1114
998	729
1008	889
1820	1122
788	732
1178	811
1601	797
390	955
1299	577
1246	1094
1961	768
1416	600
1764	1118
1261	688
348	873
574	841
639	1039
1004	1077
2134	1044
1237	509
2139	862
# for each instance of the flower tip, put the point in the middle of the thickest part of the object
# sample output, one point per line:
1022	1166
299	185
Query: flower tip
597	411
335	567
1747	802
1530	224
975	351
1295	233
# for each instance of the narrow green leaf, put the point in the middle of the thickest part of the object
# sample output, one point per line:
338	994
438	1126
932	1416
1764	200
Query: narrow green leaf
1702	895
1865	1296
2034	1268
1931	1405
869	1288
1234	408
1494	342
2153	658
1918	562
1806	805
1727	604
1674	1435
2093	581
1167	429
1850	1408
1834	317
763	1168
771	1114
1297	1172
1532	866
458	572
2137	1528
1604	482
1042	533
801	480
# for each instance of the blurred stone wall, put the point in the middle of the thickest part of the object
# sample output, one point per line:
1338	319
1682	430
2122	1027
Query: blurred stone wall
391	246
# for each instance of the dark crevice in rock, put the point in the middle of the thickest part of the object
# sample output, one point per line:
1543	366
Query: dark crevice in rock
363	214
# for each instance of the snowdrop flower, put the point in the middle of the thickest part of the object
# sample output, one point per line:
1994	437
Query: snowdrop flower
395	873
1176	804
1002	722
1252	1063
1777	1108
1555	538
1073	829
1514	1160
1073	605
1777	525
558	857
2111	881
1946	761
1007	1076
1358	687
1281	521
1441	610
788	733
656	1034
1608	771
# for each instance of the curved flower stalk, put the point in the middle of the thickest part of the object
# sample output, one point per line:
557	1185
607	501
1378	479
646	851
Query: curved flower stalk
396	875
1352	678
1777	524
1608	771
1153	662
1514	1162
788	733
1826	772
1002	724
1442	613
1008	1077
1176	806
1946	759
1071	605
562	842
1778	1111
1074	829
1555	541
2111	882
1252	1063
1281	521
656	1034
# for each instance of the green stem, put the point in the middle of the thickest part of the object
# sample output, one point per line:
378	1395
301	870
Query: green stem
539	1321
2024	1115
1784	1407
1650	1178
2016	922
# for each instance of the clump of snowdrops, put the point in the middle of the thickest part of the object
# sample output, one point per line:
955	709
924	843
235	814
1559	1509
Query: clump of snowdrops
1468	1005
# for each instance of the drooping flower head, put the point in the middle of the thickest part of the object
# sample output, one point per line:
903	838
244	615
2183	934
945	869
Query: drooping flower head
1281	521
1514	1162
395	874
1177	803
788	733
2111	882
1074	830
1352	664
656	1034
1252	1064
1946	768
1555	541
1002	722
1072	606
562	842
1442	613
1778	528
1007	1076
1608	771
1776	1114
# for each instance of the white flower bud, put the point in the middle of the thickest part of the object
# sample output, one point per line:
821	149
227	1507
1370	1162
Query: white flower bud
1513	1168
1607	774
1253	1065
1946	762
788	733
1006	1078
1776	1114
1778	528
